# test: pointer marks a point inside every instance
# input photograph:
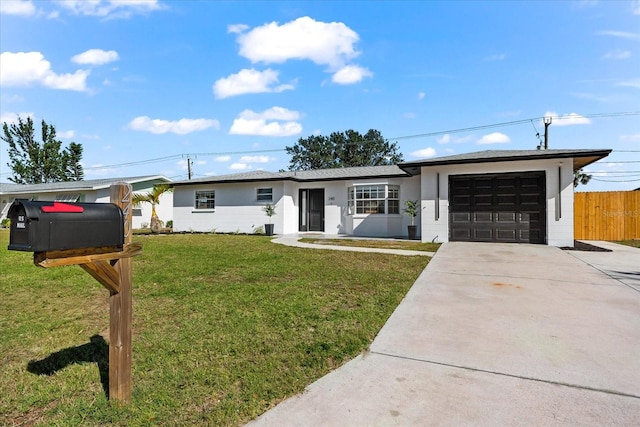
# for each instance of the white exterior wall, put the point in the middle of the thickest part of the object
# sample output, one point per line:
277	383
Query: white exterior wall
377	225
559	222
237	209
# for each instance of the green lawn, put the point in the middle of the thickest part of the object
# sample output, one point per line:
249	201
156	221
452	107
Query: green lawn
635	243
224	327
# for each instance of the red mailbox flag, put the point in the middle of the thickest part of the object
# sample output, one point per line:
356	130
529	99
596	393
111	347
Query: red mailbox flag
63	207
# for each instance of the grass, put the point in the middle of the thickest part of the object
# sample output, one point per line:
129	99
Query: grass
383	244
635	243
224	328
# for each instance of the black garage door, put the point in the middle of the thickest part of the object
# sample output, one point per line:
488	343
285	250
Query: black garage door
498	208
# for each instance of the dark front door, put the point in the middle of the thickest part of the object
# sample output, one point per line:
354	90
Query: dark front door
509	207
311	202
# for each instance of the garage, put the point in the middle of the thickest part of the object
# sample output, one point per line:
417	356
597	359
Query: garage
505	207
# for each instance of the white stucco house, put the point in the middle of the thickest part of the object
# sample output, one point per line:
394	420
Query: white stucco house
515	196
90	191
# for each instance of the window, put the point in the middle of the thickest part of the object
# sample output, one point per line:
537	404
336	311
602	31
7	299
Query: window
205	199
265	194
136	212
374	199
393	199
67	198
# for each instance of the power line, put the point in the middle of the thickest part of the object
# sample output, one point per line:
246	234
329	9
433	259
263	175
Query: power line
607	180
423	135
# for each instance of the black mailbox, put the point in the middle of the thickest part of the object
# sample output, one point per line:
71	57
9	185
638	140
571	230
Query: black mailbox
50	226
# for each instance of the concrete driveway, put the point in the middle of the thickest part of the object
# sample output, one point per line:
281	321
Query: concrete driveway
493	334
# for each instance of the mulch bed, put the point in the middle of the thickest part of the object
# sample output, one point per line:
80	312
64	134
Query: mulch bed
582	246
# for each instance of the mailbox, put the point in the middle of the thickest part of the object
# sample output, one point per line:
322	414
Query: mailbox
50	226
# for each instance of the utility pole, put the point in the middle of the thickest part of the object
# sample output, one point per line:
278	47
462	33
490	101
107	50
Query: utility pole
189	163
547	123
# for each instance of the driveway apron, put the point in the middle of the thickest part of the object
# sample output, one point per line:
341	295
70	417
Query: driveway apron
493	334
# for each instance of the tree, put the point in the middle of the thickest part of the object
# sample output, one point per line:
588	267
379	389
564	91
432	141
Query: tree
37	162
343	149
580	177
153	197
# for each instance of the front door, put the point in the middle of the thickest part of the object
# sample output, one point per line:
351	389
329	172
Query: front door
311	202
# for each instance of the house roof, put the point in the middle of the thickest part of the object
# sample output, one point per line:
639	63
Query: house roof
581	158
90	184
361	172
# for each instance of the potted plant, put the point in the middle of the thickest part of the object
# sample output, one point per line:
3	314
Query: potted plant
411	209
270	210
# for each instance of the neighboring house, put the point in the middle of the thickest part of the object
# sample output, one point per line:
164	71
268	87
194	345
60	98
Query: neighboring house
494	196
90	191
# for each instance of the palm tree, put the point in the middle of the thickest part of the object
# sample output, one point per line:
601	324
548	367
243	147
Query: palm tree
152	197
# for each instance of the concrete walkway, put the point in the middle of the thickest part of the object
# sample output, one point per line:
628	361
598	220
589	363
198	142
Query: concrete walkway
494	334
293	240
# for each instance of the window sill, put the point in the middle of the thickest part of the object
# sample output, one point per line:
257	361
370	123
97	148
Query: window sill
374	214
203	210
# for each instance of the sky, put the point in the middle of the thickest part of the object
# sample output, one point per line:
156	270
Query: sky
148	85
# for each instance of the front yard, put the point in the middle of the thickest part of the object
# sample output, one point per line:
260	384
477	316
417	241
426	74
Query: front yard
224	327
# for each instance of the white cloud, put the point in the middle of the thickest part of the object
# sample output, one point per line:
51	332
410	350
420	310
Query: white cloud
409	115
239	166
617	54
621	34
96	57
17	7
630	138
110	8
260	127
66	134
567	119
12	118
273	113
447	138
324	43
249	81
26	68
237	28
180	127
267	123
421	95
636	7
350	74
424	153
496	57
222	159
635	83
494	138
254	159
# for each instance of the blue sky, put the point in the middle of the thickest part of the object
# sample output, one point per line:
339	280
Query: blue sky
230	84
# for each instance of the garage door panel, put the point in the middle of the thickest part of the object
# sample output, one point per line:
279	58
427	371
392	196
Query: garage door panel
503	217
507	207
483	217
461	217
483	200
461	234
462	200
483	235
506	235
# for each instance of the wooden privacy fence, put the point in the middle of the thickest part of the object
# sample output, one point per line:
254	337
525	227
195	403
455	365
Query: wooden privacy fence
611	215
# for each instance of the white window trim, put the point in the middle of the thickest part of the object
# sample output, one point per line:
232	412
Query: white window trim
351	209
270	200
195	201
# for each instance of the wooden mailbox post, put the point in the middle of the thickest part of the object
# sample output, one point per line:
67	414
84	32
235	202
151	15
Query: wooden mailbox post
112	268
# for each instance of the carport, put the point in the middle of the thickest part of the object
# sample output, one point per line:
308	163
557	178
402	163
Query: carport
508	196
